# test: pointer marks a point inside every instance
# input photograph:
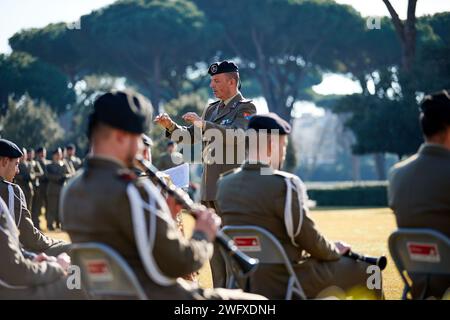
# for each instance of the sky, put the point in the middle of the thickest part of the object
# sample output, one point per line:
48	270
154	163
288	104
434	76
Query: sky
21	14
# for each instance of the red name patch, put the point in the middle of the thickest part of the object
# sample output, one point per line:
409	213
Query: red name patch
426	252
99	270
248	243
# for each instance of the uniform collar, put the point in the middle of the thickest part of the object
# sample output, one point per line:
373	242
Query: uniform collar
105	161
434	149
236	97
254	166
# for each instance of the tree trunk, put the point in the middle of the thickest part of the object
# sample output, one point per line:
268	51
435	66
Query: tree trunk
406	31
380	166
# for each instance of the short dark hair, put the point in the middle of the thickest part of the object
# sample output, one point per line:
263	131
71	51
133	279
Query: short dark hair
235	76
435	113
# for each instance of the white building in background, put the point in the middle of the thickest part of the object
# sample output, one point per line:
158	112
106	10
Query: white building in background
319	138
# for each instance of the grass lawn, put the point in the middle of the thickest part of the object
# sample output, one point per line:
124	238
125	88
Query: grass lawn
366	229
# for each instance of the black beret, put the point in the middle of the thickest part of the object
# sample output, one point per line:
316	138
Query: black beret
170	143
147	140
222	67
123	110
70	146
9	149
269	121
40	149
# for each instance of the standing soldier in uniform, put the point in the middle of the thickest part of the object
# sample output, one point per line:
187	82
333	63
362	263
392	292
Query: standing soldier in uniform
276	201
230	113
108	204
33	175
40	197
36	205
166	160
71	157
25	178
57	173
30	237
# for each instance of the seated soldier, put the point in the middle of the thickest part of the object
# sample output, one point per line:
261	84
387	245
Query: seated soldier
43	277
30	237
260	194
108	204
419	187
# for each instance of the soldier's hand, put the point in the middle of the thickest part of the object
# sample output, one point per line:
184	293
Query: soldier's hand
63	260
43	257
207	221
163	120
343	247
195	119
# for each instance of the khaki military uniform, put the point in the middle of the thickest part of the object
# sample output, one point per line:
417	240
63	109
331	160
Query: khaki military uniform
104	203
419	195
165	161
57	174
30	237
38	200
245	197
21	278
41	195
234	115
74	162
25	180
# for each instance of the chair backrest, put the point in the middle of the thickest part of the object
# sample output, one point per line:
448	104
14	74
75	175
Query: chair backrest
259	243
104	273
420	251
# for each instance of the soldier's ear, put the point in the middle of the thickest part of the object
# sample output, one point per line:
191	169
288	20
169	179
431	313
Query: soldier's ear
3	161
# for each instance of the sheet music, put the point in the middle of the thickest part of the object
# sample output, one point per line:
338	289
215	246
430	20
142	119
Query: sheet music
179	175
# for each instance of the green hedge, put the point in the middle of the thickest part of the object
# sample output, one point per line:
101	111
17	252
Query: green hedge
365	195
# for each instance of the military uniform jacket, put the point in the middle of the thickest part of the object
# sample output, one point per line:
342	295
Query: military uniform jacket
235	115
106	203
31	238
245	197
25	177
419	195
165	162
276	202
18	274
57	174
74	162
38	173
419	190
43	181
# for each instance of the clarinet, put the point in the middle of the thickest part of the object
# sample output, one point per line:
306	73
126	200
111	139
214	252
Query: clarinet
246	264
381	262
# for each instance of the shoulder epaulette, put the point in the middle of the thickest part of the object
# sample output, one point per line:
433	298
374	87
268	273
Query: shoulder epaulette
126	175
